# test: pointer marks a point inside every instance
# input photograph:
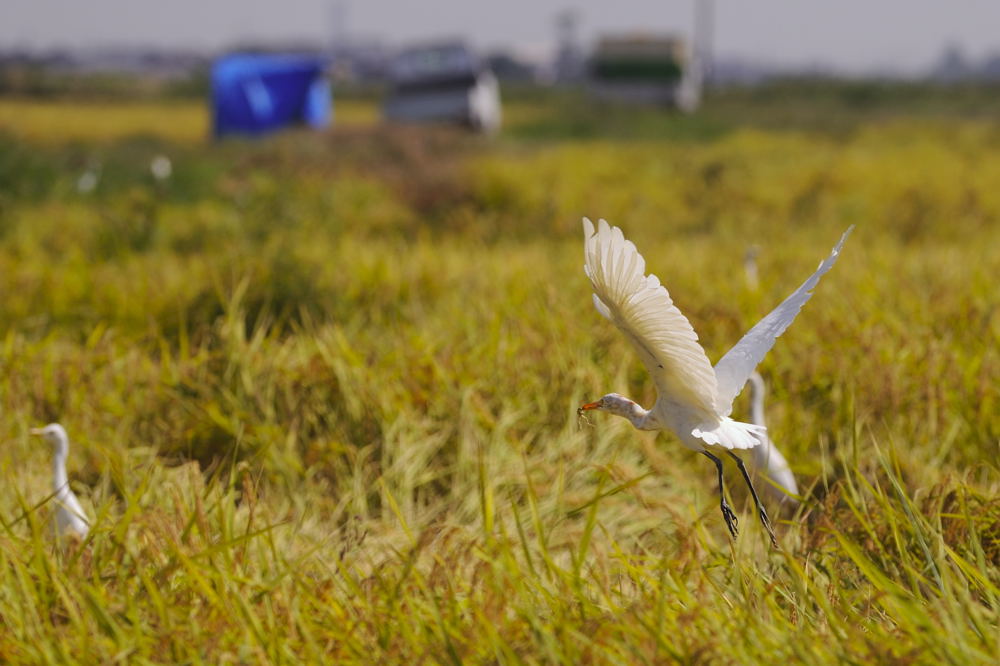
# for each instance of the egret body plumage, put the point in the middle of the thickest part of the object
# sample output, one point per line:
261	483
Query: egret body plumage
694	399
767	459
70	519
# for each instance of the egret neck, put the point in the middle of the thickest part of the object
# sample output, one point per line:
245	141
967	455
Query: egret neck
619	405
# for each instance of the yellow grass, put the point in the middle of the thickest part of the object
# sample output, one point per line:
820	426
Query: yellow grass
60	121
322	392
183	122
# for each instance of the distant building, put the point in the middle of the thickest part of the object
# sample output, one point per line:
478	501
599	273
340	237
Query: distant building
159	65
952	65
255	94
443	82
508	67
643	69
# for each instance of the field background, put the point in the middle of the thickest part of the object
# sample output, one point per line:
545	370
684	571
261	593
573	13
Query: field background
322	388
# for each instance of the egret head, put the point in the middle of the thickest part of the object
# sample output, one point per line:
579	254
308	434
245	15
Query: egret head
619	405
55	435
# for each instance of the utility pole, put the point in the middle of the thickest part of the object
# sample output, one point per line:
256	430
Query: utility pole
338	17
568	63
704	27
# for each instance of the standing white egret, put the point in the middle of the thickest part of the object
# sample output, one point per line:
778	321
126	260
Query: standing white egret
750	266
88	180
767	459
161	168
694	400
69	519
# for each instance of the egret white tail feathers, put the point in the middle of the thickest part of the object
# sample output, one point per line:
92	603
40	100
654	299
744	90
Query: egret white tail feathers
732	434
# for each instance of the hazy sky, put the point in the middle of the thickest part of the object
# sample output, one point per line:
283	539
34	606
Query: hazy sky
850	34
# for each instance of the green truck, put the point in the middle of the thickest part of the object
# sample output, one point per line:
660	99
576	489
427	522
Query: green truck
645	69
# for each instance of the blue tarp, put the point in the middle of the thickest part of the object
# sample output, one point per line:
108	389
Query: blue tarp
259	93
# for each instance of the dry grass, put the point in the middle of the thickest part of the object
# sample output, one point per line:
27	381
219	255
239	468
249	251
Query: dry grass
325	412
182	121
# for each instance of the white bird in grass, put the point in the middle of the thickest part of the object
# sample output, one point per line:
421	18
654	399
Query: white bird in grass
70	521
750	266
767	459
694	400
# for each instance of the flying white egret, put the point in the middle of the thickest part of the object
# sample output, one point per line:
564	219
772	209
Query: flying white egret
766	457
694	400
69	519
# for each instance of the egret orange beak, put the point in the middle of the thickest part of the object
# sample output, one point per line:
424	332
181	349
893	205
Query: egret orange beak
590	405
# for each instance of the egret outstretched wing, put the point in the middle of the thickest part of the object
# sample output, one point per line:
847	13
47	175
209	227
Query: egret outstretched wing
642	308
734	369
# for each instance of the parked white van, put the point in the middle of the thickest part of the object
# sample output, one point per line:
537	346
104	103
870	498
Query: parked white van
443	82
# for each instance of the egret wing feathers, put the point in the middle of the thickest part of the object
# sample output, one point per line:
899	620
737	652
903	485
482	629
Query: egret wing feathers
734	369
70	516
642	308
71	504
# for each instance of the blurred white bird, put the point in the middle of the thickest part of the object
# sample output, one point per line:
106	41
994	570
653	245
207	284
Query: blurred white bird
70	521
161	167
750	266
694	400
767	459
88	181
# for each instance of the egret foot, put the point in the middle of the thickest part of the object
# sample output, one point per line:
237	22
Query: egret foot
732	522
756	500
727	513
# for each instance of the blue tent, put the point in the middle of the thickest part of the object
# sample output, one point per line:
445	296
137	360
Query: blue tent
260	93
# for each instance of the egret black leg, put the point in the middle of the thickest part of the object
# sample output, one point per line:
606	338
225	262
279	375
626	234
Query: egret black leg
756	500
727	513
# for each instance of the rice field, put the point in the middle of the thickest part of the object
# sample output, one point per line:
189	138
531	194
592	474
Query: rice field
322	388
